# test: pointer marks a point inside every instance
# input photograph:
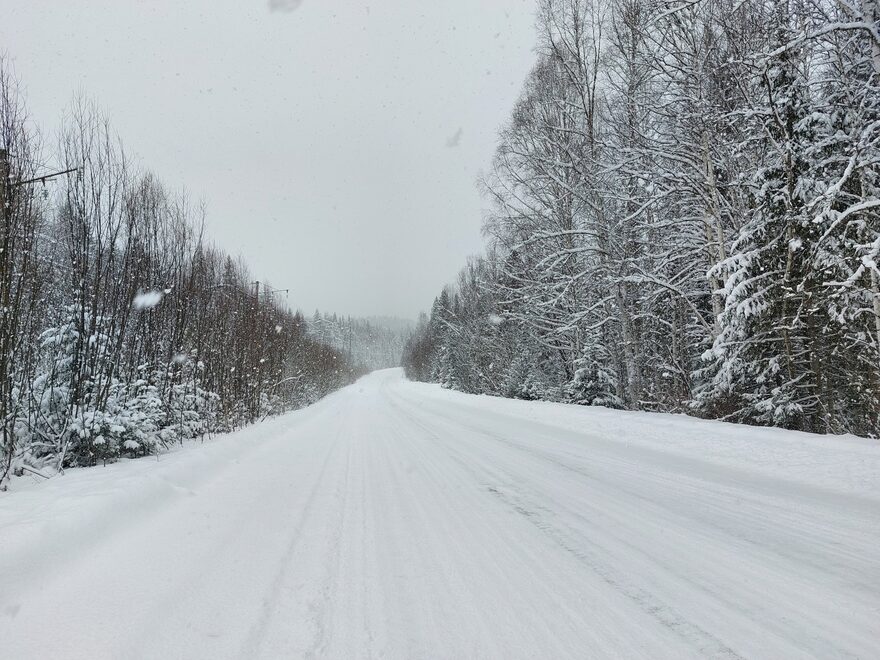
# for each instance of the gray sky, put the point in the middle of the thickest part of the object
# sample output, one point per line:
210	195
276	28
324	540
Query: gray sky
336	143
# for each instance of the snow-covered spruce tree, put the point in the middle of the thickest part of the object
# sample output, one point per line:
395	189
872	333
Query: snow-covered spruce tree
592	384
768	349
845	257
64	422
457	355
479	342
46	426
439	328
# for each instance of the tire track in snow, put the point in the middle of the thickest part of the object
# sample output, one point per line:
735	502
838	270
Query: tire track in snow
255	638
727	601
692	634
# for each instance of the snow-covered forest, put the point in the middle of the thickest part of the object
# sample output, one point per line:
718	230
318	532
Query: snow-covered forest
642	421
685	216
123	329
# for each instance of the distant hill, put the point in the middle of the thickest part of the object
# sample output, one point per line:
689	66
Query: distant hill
374	342
394	323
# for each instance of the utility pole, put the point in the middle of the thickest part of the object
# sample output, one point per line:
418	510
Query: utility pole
5	206
4	175
5	217
270	291
8	316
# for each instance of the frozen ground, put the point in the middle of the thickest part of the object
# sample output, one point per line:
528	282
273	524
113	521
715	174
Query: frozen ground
398	520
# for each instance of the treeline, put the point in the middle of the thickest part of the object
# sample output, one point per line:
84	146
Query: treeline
684	217
122	328
370	344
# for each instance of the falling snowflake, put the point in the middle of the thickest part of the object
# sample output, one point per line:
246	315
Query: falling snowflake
147	299
455	139
284	5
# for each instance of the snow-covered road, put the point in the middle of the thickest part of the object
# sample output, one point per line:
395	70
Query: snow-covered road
398	520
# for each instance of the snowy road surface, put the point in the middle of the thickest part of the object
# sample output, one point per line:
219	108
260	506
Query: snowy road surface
398	520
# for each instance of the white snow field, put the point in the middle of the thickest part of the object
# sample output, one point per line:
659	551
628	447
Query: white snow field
399	520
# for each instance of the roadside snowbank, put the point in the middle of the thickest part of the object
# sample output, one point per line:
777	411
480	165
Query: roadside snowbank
843	463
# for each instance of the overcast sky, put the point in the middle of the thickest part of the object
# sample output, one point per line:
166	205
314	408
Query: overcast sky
336	143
